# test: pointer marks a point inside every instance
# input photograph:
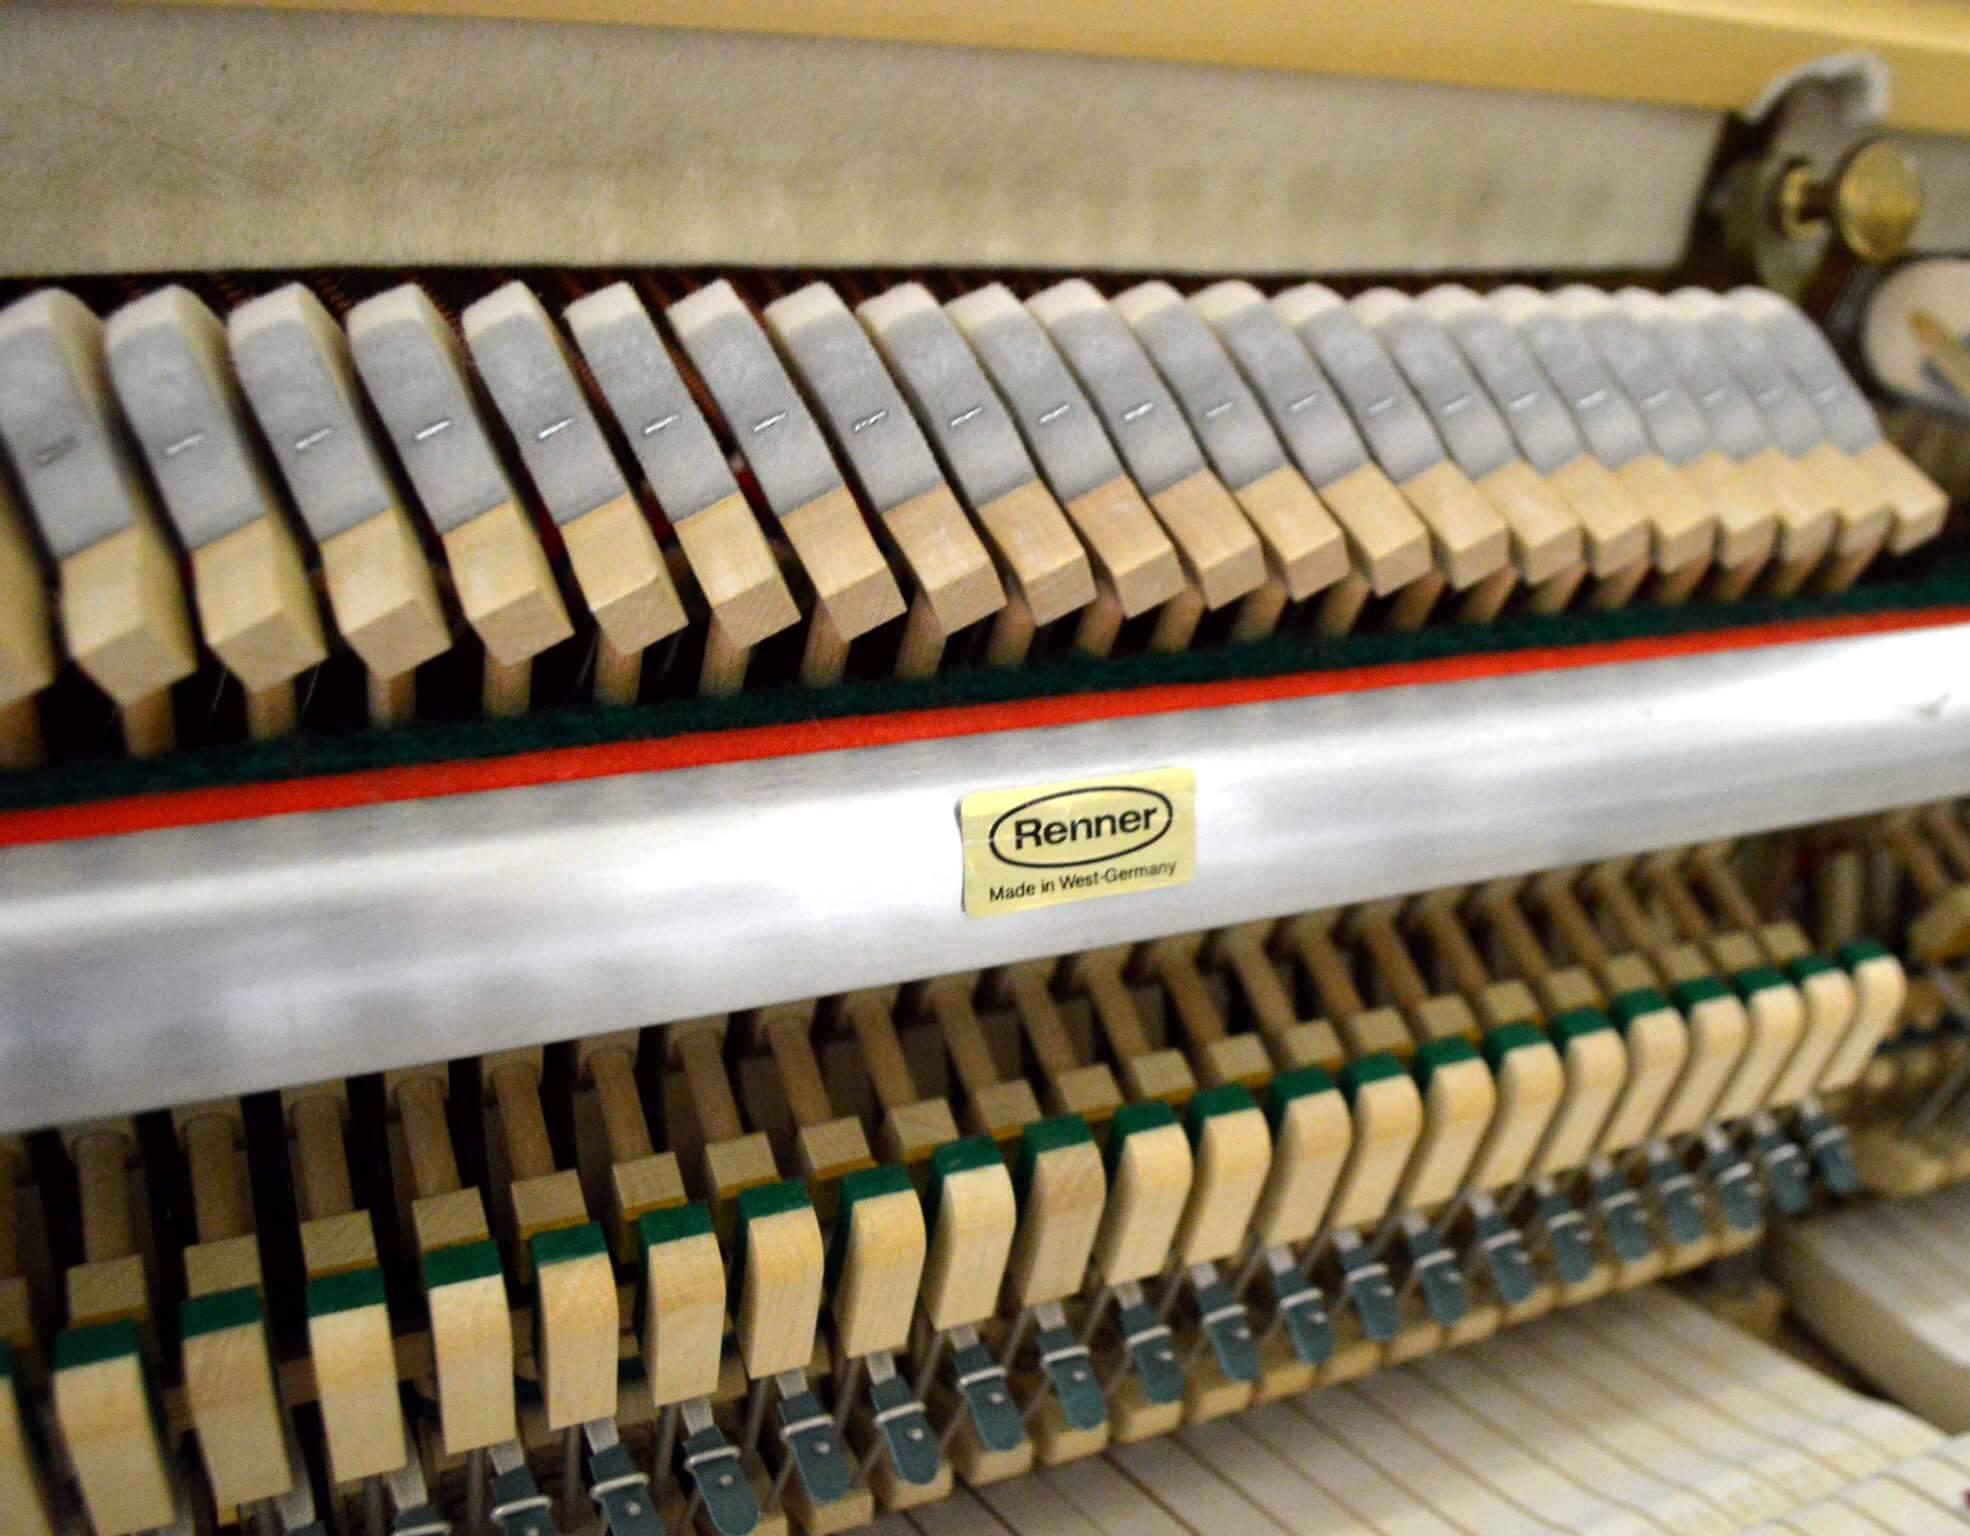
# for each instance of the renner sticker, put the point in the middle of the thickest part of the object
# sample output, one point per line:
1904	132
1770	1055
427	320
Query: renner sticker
1048	843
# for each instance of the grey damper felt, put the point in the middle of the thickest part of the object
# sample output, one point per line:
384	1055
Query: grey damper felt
956	405
1794	424
1398	432
1223	412
873	427
1055	417
167	358
1119	378
76	468
1511	375
1734	421
769	420
298	376
526	371
1462	413
1305	410
1675	425
1606	418
1809	357
667	432
415	373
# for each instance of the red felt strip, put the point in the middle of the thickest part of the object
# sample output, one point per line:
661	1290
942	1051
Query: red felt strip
560	765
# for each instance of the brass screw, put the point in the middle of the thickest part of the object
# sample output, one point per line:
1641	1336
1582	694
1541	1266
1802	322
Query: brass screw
1873	199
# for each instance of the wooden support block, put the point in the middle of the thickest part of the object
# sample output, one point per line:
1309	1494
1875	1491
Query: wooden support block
847	571
385	602
1920	504
653	1183
1045	560
1458	1100
1388	1122
879	1249
1151	1171
1546	536
622	574
1531	1084
1233	1154
1311	1132
355	1364
1682	522
684	1316
549	1203
736	571
108	1290
1063	1190
1775	1016
1390	544
1880	991
1470	541
1748	533
1596	1066
471	1329
576	1323
505	588
116	1443
123	614
1616	527
255	605
351	1347
974	1217
1865	511
780	1280
1220	552
230	1388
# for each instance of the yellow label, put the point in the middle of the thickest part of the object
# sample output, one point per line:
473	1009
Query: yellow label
1049	843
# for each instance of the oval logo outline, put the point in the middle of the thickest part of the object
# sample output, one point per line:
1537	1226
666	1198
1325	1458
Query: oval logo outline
1169	821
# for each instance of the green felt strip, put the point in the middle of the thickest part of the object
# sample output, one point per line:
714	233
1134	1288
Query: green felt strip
1437	1055
878	1183
1857	953
1362	1071
1631	1006
1225	1099
77	1347
1942	583
1757	978
1040	1138
345	1292
1302	1083
1807	966
1134	1120
673	1224
563	1245
1576	1022
1702	989
955	1158
460	1263
760	1203
1506	1038
215	1313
